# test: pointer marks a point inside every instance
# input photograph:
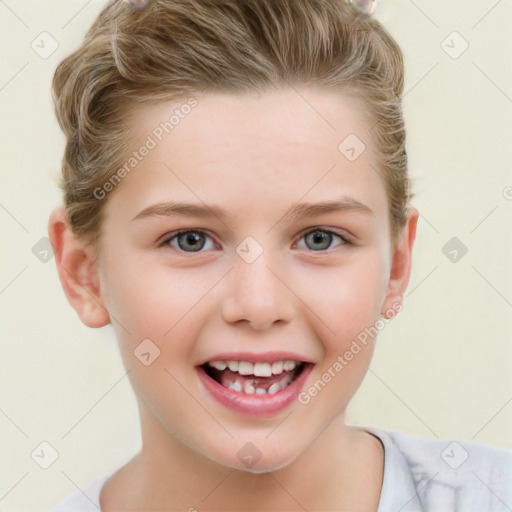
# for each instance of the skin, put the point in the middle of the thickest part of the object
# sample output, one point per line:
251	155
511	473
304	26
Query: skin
255	157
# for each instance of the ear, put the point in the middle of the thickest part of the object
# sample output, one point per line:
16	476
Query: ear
401	264
78	272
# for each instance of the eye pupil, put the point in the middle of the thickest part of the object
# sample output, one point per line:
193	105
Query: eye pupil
318	240
191	242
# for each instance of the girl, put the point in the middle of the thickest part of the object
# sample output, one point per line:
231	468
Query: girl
236	206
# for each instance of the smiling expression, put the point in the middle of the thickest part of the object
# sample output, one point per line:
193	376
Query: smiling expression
251	252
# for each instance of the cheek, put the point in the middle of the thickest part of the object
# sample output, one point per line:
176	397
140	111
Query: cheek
349	309
149	301
161	308
349	321
346	299
157	318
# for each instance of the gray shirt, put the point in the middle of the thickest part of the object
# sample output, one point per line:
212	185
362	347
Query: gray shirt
420	475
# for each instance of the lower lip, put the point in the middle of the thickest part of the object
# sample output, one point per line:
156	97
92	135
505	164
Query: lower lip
254	405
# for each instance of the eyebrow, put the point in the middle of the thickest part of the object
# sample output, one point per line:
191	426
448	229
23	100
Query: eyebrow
296	212
170	209
342	204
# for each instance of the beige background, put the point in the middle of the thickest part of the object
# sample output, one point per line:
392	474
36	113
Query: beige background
442	368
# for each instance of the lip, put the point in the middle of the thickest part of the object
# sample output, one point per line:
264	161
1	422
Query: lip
251	357
255	405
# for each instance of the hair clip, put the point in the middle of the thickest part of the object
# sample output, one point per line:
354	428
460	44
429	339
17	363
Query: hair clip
362	8
138	5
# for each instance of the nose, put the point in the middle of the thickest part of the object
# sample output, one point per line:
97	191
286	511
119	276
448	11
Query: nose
256	294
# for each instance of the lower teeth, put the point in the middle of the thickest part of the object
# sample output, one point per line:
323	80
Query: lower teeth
255	385
249	389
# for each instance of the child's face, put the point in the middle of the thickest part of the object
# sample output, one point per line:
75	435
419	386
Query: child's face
241	163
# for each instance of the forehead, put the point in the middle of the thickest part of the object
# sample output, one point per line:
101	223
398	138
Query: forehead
298	119
238	149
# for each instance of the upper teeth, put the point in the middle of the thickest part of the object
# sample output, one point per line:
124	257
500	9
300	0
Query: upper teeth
256	369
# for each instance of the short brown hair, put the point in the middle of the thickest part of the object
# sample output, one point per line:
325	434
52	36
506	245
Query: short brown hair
178	48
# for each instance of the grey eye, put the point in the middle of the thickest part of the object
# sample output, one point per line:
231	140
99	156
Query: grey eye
319	240
191	241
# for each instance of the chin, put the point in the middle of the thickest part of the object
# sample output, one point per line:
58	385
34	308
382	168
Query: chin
260	466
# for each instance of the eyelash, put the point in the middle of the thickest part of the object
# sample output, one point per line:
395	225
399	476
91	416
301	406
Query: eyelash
343	239
171	236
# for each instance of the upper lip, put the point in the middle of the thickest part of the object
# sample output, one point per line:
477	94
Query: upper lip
263	357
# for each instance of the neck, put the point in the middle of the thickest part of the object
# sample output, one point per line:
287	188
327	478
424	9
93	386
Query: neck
169	475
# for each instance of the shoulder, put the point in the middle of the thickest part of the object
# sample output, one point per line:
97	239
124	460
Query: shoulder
447	474
86	499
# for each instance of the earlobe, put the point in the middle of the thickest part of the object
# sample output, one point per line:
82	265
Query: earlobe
401	265
77	271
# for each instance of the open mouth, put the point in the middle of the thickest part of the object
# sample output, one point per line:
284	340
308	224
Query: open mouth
255	378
